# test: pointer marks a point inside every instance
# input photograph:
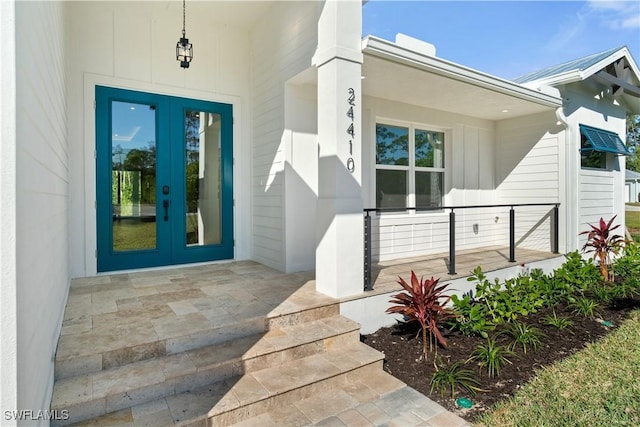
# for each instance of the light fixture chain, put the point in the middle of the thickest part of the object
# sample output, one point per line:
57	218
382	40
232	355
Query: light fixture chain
184	17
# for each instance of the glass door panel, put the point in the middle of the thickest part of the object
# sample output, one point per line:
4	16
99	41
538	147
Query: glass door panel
164	180
203	178
133	176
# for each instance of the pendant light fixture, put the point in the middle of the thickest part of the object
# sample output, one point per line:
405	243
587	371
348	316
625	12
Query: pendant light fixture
184	49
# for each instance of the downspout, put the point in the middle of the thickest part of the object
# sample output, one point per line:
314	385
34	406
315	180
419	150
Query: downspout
571	185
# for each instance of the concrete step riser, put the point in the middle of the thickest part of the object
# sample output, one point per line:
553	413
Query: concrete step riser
82	365
204	376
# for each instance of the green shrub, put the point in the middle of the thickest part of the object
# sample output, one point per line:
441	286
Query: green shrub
628	265
506	302
470	317
577	273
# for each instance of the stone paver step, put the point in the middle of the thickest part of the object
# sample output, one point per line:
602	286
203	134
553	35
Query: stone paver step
282	385
361	404
98	393
279	386
143	333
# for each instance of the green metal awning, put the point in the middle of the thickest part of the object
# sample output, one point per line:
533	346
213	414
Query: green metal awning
604	141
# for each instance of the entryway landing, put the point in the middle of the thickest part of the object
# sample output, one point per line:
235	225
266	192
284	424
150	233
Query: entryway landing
221	344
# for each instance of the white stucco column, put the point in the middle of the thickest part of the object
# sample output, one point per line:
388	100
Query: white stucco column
339	222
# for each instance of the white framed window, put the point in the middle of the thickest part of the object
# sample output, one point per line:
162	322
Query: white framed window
409	166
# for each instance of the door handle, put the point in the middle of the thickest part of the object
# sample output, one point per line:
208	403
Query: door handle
165	205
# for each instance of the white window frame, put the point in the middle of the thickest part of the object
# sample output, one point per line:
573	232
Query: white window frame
411	168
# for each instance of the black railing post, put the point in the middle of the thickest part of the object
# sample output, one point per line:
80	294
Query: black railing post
452	242
512	235
368	286
556	228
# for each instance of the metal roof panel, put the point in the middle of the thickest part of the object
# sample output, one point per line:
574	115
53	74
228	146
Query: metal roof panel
579	64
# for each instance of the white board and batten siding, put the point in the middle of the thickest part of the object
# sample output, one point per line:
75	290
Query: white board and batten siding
529	171
42	199
468	180
282	45
596	198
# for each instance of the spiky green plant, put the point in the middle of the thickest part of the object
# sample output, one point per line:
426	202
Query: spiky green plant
452	377
585	307
524	335
424	302
559	322
491	356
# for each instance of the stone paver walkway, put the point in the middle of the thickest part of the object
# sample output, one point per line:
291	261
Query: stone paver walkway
403	407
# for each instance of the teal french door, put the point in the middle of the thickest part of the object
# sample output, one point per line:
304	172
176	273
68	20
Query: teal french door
164	180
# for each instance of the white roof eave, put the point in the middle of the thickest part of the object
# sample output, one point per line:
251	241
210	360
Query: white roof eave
387	50
557	80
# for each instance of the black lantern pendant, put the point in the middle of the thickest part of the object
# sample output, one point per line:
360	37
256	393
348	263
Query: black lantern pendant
184	49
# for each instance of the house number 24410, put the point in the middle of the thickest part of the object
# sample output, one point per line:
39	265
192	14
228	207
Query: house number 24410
351	102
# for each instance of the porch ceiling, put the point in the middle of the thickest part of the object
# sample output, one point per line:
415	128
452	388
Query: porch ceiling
234	13
394	73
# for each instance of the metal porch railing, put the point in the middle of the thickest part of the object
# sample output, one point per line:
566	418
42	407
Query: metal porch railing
368	285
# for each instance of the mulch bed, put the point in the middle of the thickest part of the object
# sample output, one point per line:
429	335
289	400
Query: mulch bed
403	350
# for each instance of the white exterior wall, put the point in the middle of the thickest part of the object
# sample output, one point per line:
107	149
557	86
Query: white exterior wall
600	192
8	217
530	169
282	45
42	199
469	180
131	45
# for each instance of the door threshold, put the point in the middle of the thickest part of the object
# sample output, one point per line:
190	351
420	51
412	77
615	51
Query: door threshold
166	267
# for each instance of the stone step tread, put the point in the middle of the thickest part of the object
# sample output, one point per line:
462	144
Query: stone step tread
276	380
143	325
195	406
240	356
400	406
103	348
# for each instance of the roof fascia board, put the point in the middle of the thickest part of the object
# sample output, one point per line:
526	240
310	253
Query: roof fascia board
387	50
556	80
615	56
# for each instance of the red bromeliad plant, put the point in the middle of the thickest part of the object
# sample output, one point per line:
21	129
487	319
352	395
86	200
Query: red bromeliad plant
424	301
603	243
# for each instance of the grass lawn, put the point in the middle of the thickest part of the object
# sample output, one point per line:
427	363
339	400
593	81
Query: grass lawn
633	224
599	386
